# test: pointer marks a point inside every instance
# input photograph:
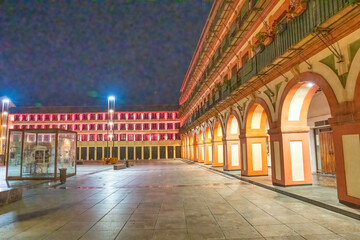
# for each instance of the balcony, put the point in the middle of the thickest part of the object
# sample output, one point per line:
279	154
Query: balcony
301	27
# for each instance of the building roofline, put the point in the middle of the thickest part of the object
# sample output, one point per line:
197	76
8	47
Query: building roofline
198	46
90	109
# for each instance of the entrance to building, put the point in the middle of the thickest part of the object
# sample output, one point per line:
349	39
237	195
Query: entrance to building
325	155
154	152
138	153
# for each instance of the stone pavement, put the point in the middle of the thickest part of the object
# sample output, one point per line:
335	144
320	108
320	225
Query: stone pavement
166	200
322	192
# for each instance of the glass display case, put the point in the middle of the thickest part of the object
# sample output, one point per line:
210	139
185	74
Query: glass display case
40	153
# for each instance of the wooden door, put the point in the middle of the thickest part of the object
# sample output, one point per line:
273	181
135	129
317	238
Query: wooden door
327	152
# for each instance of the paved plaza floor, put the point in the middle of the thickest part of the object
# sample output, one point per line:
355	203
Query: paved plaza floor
165	200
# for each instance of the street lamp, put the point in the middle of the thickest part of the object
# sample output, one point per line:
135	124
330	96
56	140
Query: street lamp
110	116
4	124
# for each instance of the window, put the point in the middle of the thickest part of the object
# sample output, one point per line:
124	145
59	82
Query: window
162	136
63	126
176	115
47	117
122	126
146	137
99	127
131	116
62	117
177	136
92	137
123	137
69	127
23	118
177	125
131	137
91	126
99	137
162	115
130	126
100	116
84	117
84	137
24	126
138	126
154	126
169	115
39	117
115	116
69	117
84	127
138	137
32	118
54	117
138	115
92	116
107	127
146	116
170	136
161	126
154	137
76	127
122	116
32	126
146	126
77	117
153	116
16	118
169	126
107	116
115	126
16	126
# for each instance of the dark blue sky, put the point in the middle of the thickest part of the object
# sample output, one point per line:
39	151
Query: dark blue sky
80	52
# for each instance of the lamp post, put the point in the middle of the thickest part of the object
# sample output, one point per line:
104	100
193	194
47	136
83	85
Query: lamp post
4	128
110	124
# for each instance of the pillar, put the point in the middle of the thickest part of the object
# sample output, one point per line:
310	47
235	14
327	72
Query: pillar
290	158
253	154
208	154
218	153
232	155
158	151
346	134
201	152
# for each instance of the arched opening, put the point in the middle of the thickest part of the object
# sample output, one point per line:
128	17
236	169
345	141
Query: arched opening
233	161
201	148
306	135
208	147
256	153
195	148
218	146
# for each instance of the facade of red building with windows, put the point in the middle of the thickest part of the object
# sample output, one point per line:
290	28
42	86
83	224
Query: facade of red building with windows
150	132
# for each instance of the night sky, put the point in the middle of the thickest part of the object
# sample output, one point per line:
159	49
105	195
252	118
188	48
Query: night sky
77	53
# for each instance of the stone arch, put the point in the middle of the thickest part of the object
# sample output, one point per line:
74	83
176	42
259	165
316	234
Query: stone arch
195	146
292	142
352	82
301	92
232	127
254	138
218	144
191	149
201	143
208	145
